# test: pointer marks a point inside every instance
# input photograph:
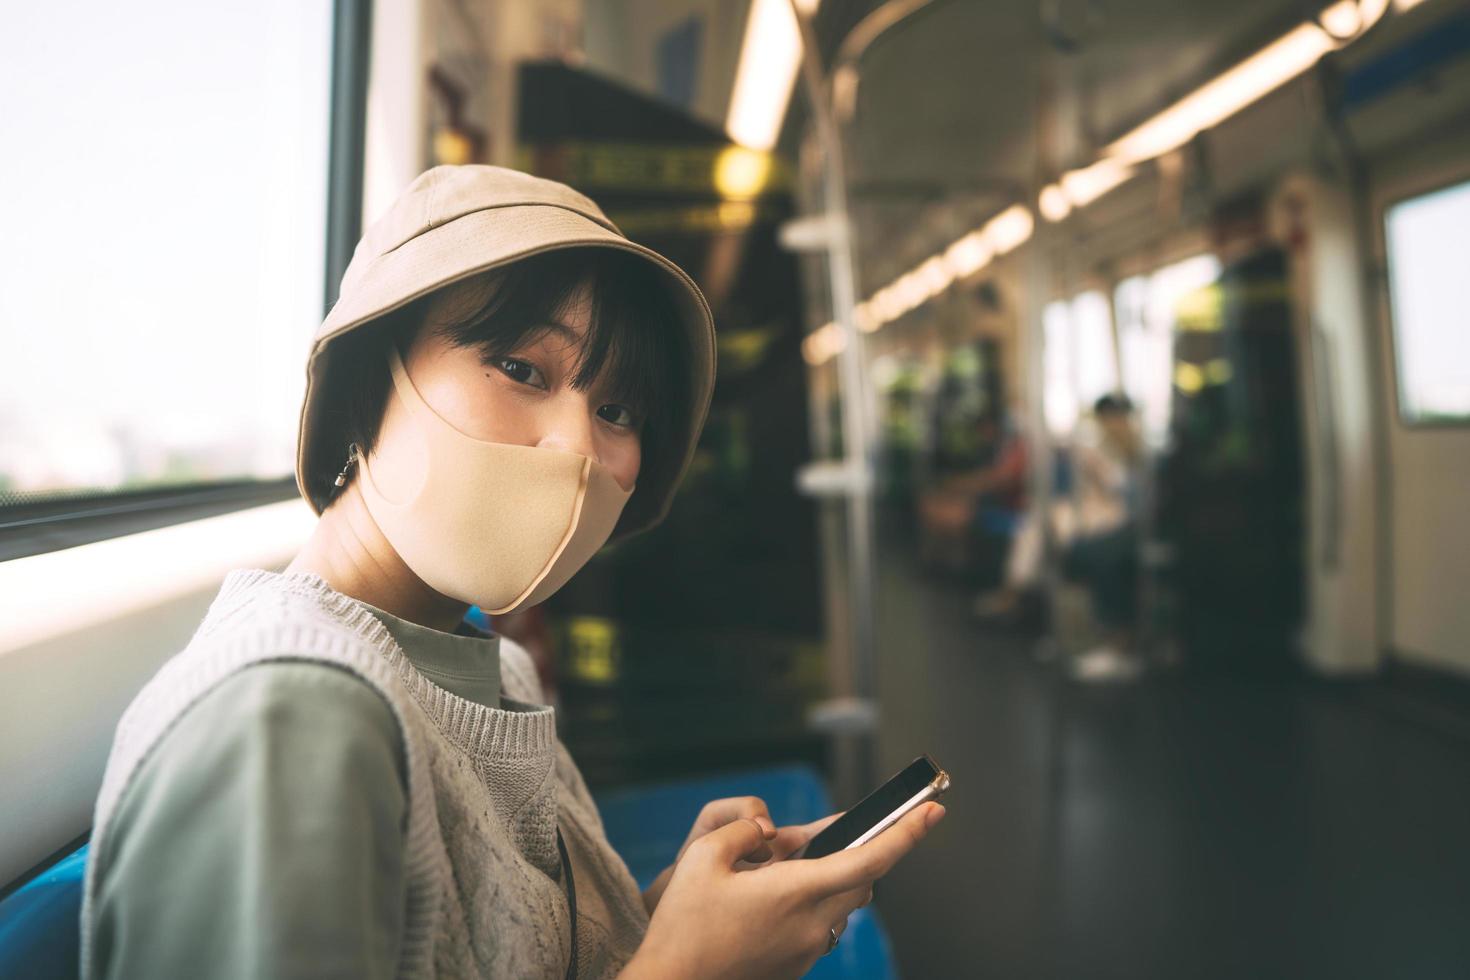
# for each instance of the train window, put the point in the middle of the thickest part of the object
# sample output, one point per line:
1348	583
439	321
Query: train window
165	175
1079	358
1430	294
1059	388
1146	307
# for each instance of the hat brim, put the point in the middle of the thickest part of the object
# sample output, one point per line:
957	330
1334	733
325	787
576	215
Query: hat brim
476	243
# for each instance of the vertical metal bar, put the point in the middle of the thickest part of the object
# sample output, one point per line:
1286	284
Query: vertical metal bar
857	442
352	30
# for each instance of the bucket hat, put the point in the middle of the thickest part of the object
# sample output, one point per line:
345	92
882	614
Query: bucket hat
454	222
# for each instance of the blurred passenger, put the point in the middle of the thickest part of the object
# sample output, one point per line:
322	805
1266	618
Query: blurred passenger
1104	553
338	776
976	513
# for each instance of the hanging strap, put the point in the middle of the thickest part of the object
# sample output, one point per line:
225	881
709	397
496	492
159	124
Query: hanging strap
566	870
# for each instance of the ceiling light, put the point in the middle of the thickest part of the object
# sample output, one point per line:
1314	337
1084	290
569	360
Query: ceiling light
1053	203
964	257
769	58
1342	19
1010	228
969	255
822	344
1220	98
741	172
1082	187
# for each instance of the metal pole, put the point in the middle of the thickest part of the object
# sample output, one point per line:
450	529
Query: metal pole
859	683
352	31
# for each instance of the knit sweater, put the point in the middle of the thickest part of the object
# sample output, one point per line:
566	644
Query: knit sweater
486	788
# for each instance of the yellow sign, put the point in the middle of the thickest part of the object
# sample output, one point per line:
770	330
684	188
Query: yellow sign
593	652
735	173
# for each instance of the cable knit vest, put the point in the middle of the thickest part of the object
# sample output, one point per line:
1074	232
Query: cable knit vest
486	787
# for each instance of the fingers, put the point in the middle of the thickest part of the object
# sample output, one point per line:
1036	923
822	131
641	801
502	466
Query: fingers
794	837
728	844
843	904
717	813
861	866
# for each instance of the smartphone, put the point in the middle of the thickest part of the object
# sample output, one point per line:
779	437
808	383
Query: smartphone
921	781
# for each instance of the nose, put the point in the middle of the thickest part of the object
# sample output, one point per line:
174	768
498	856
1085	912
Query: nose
568	426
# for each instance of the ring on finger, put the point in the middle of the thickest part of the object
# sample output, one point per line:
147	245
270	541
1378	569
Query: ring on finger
832	940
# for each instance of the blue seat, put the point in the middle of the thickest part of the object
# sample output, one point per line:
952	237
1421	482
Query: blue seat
647	824
38	923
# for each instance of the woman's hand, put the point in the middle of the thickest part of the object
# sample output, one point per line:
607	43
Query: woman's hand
720	922
716	814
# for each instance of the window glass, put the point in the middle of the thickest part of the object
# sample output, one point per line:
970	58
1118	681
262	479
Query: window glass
1147	309
1429	285
1059	387
164	189
1078	358
1097	360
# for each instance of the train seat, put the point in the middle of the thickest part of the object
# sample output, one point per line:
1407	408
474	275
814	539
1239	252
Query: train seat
38	923
646	825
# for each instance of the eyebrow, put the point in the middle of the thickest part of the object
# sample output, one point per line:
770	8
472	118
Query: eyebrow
563	329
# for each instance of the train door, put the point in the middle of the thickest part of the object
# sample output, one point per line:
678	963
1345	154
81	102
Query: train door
1421	207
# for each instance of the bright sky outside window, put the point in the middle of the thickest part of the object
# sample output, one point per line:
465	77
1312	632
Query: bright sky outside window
1146	308
1097	359
164	190
1078	360
1429	282
1059	387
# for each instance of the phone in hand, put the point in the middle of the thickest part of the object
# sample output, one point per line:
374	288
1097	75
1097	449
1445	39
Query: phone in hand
921	781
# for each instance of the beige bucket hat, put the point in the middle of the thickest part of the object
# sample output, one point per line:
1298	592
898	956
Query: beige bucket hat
456	221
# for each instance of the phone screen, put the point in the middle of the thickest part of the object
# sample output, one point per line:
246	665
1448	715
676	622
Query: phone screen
873	808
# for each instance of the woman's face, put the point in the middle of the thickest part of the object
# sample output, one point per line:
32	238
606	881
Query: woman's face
525	397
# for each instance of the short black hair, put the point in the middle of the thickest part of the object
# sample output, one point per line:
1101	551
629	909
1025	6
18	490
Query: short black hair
1113	404
634	336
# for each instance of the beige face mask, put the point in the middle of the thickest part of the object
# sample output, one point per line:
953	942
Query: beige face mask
496	525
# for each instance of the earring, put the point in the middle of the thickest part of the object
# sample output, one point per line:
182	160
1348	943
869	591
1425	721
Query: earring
352	452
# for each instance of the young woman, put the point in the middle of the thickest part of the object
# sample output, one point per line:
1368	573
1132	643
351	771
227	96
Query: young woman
338	776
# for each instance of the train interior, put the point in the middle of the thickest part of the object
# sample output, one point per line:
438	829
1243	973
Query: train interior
1092	415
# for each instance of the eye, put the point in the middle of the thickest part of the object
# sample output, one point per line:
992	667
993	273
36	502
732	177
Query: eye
520	371
617	415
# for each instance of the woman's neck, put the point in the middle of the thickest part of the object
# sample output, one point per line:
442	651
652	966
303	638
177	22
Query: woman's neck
350	553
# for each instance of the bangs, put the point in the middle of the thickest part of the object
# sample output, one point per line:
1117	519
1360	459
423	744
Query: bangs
633	341
635	344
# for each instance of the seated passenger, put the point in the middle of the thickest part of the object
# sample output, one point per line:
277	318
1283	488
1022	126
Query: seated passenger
338	776
979	508
1104	554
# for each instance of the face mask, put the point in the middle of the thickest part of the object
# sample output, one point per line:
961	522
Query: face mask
496	525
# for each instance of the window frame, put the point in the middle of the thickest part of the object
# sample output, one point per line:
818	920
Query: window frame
65	520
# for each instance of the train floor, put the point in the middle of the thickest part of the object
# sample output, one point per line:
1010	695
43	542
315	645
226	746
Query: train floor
1170	827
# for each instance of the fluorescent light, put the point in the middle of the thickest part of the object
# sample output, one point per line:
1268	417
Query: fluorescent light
1082	187
969	255
1402	5
79	588
964	257
769	58
741	172
1053	203
822	344
1010	228
1078	188
1217	100
1342	19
